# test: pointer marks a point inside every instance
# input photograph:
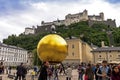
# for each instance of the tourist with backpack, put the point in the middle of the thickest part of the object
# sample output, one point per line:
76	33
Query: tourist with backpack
104	72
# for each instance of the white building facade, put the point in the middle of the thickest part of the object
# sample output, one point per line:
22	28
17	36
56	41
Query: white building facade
29	30
12	55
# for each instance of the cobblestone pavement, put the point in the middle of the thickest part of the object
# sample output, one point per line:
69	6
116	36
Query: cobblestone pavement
28	77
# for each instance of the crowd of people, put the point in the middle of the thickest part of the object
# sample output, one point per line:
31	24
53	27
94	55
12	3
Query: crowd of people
100	71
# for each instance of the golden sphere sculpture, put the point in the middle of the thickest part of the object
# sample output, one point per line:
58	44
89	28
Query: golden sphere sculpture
52	48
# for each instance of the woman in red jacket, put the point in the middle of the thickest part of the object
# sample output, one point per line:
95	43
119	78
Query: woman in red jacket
115	73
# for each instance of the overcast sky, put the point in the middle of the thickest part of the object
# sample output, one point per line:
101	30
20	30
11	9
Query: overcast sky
16	15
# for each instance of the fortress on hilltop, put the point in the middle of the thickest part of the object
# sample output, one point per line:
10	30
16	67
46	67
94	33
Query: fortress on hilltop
82	16
74	18
70	19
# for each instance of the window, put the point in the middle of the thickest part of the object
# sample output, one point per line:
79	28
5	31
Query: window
72	46
110	60
67	46
99	56
46	29
73	54
110	56
118	56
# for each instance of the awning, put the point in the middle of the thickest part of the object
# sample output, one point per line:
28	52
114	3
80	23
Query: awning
99	61
115	62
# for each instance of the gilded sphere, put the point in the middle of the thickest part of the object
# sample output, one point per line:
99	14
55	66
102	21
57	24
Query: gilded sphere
52	48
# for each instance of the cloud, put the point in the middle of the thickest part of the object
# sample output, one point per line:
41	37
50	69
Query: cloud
32	12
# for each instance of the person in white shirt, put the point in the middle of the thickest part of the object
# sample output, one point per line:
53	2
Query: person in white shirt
69	73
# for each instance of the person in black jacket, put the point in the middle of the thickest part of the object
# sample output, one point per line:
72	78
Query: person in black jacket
96	69
21	72
24	72
43	71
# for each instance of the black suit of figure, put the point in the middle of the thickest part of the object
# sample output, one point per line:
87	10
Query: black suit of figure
43	71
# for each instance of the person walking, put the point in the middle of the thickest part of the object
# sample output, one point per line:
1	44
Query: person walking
32	75
1	68
44	71
68	73
9	70
20	72
81	71
115	73
50	73
89	74
36	70
96	69
24	71
55	72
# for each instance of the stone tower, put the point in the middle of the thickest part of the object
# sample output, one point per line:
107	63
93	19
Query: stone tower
85	15
102	16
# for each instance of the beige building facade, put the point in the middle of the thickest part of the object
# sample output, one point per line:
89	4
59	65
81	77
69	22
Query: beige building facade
78	51
30	59
111	54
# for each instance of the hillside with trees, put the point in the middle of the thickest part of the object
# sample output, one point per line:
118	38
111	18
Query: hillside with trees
94	34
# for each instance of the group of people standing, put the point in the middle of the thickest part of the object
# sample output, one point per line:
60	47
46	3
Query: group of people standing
102	71
99	72
21	72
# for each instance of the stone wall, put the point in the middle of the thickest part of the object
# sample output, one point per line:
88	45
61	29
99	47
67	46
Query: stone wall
108	22
45	28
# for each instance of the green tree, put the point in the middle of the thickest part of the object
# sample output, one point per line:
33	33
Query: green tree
116	36
94	34
36	60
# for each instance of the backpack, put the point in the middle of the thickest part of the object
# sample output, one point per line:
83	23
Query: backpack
107	70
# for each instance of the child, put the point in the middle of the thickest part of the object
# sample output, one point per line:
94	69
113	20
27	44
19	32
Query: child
32	75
